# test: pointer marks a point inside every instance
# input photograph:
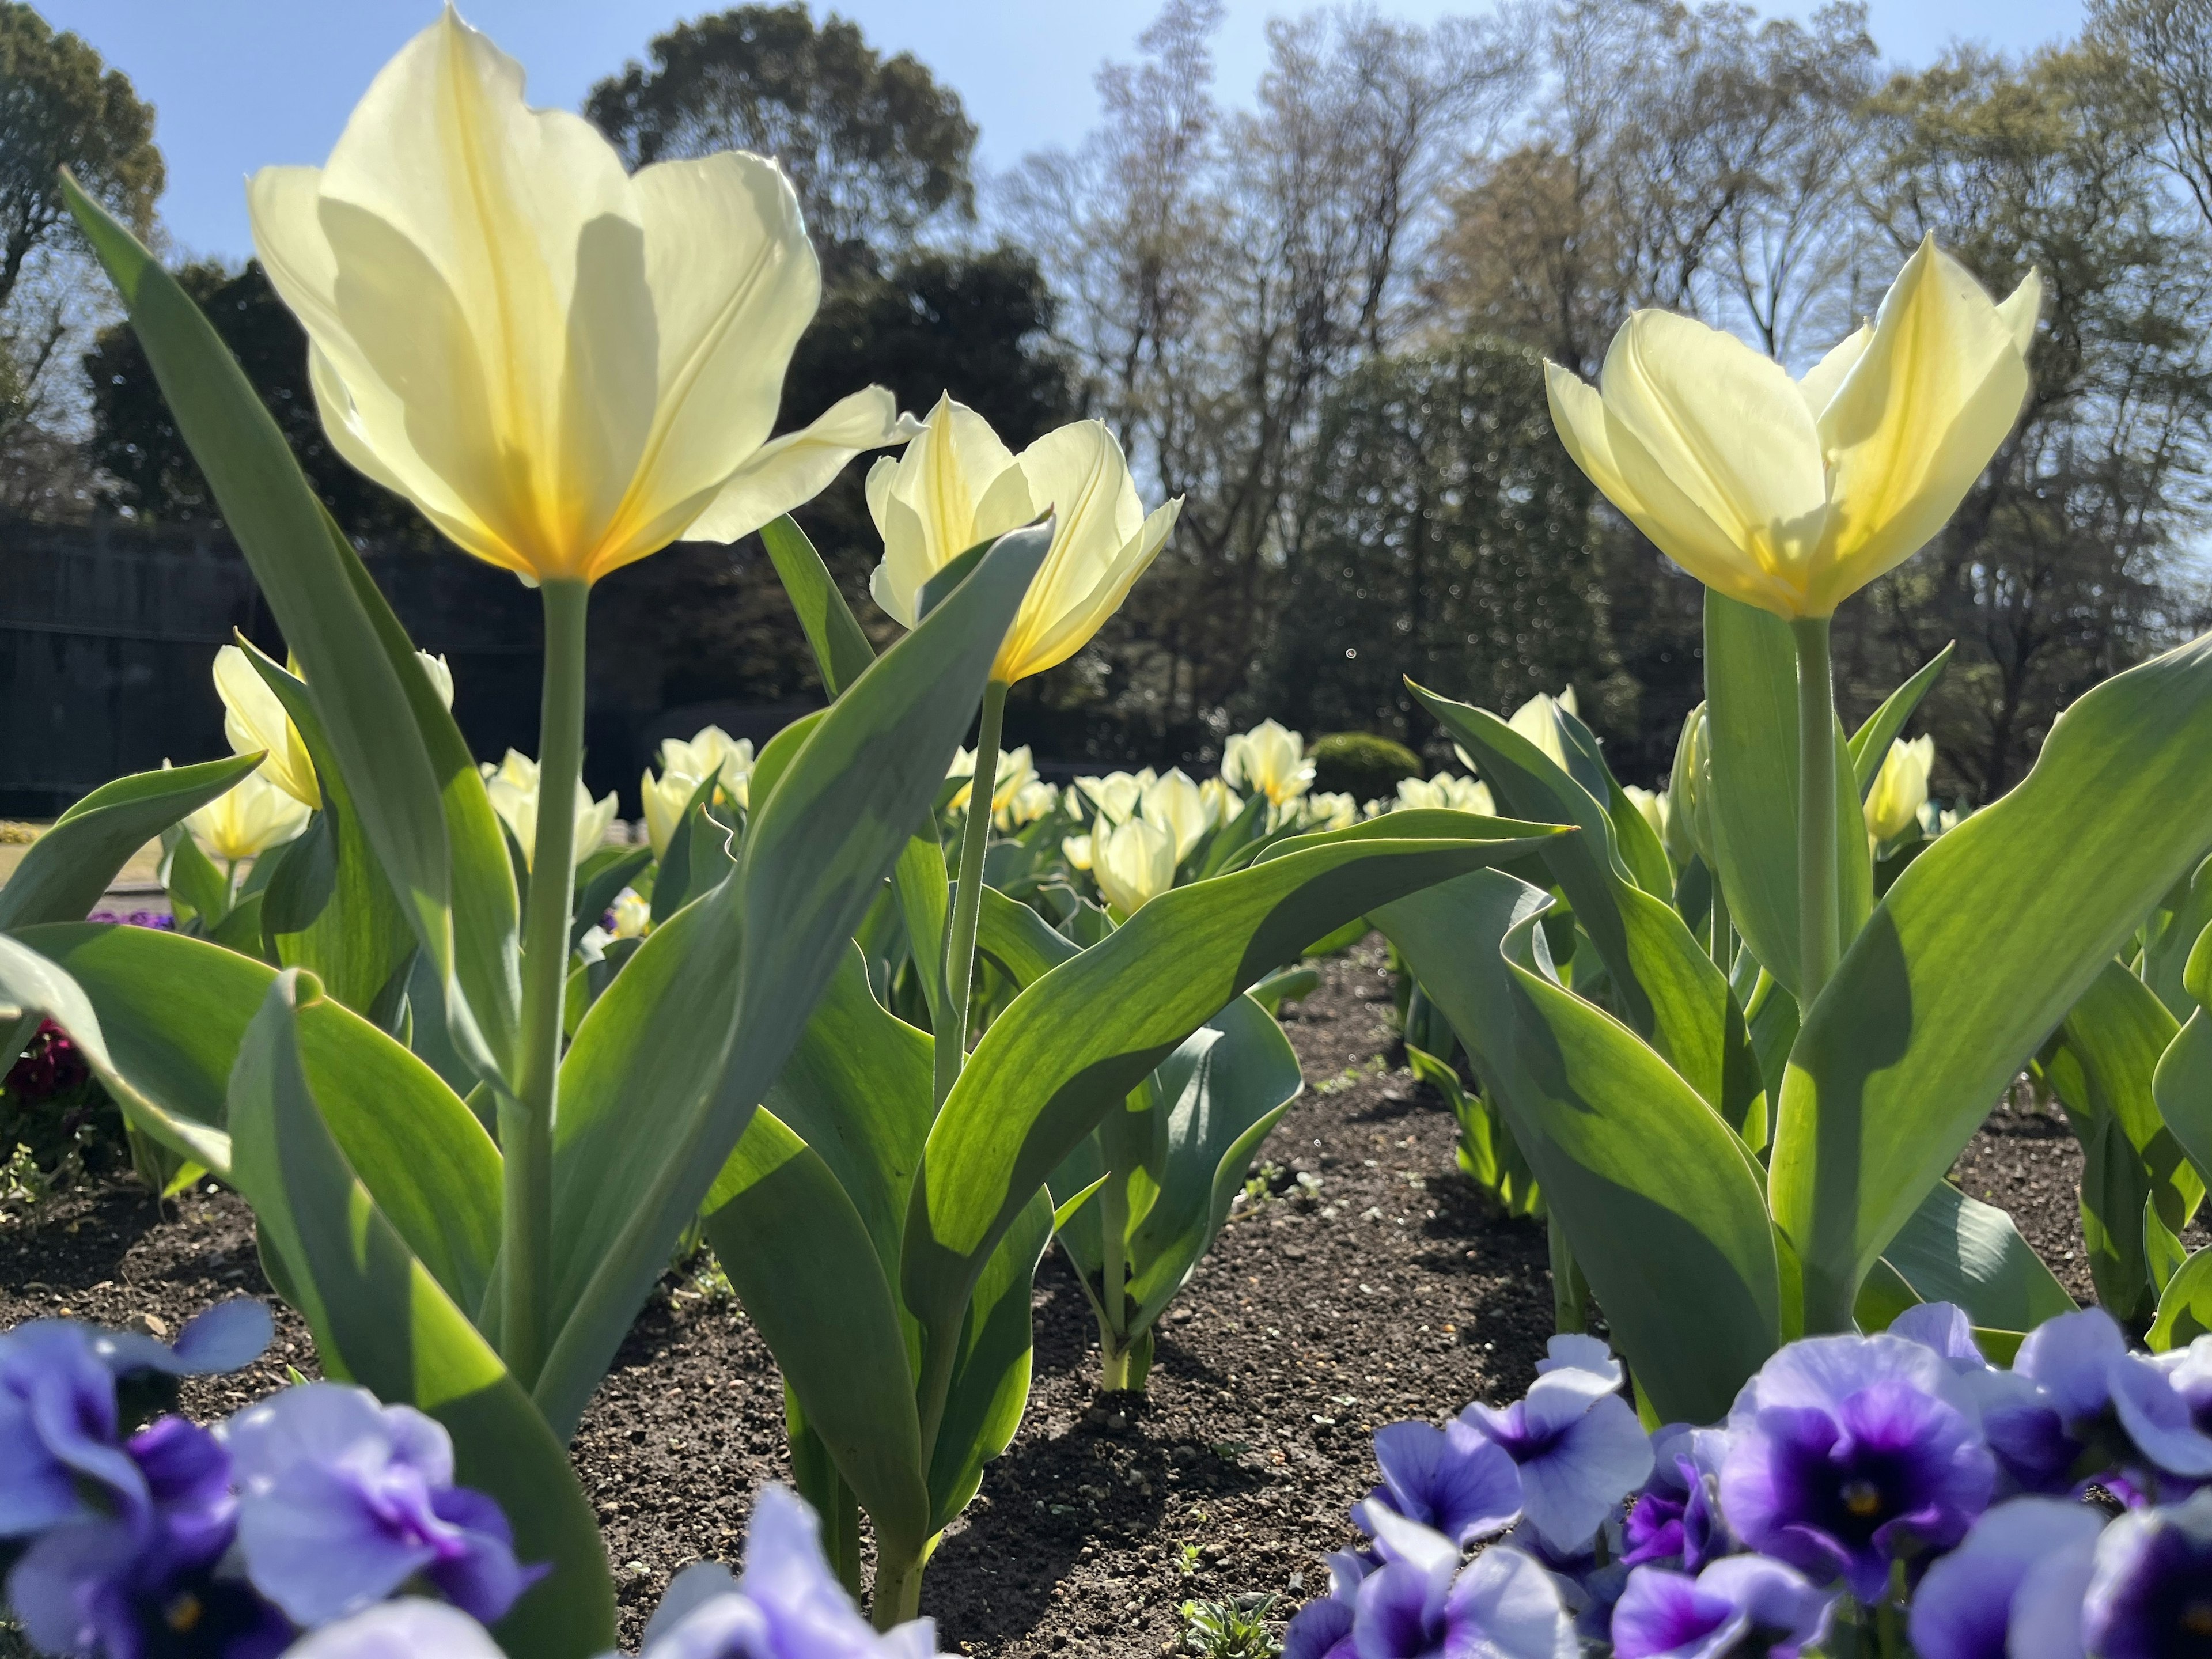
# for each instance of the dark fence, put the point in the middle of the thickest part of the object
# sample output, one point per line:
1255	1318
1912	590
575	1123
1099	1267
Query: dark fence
108	631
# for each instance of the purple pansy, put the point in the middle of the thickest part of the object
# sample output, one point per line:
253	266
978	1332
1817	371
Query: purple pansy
1969	1599
1944	1326
1421	1602
1576	1442
1452	1479
142	1571
1322	1629
1677	1515
343	1500
2150	1590
58	1424
409	1628
1745	1599
2050	1420
1846	1453
2164	1403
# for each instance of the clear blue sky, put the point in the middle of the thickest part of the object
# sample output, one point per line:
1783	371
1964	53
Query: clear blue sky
241	83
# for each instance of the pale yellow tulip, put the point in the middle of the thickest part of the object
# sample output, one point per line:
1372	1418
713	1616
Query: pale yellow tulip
1076	849
958	485
1269	759
1446	790
1793	495
252	816
665	798
1173	803
254	719
512	786
1689	833
1222	803
1537	719
1118	795
565	366
1900	789
711	752
441	676
1033	800
1134	865
1014	770
1652	808
1329	809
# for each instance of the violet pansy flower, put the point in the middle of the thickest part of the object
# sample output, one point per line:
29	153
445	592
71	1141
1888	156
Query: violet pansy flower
1677	1516
2149	1593
1743	1601
407	1628
1576	1442
2164	1403
342	1501
2050	1420
1847	1453
1944	1326
1422	1604
1969	1600
58	1424
1453	1479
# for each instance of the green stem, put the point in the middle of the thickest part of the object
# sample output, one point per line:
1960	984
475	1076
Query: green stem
1817	919
1723	936
898	1586
1113	1202
527	1122
1113	1362
968	896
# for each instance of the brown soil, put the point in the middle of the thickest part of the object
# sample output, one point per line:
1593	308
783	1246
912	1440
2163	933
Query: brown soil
1392	1292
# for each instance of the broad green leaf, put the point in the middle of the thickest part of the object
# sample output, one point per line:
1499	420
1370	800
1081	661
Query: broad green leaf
696	858
197	890
669	1063
1657	1195
382	1320
1663	983
1958	1249
1220	1094
68	868
329	909
1751	710
2174	928
1871	743
284	534
1981	948
2185	1312
2162	1247
1633	838
799	1256
171	1014
2183	1087
1019	940
1076	1041
919	884
991	1376
842	651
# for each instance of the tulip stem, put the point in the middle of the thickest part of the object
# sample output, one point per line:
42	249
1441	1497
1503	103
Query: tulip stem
1818	924
968	896
527	1122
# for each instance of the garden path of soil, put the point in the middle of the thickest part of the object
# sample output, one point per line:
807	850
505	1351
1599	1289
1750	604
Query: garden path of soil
1393	1292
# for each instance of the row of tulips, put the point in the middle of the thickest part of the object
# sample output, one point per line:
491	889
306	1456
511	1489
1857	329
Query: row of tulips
879	1039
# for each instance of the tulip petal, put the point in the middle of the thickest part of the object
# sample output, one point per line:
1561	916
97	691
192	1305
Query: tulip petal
939	500
1730	429
1617	462
1820	381
789	471
1917	419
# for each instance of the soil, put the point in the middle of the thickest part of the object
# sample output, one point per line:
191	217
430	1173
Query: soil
1394	1290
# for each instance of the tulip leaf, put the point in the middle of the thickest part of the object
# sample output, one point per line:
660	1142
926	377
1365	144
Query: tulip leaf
283	533
599	882
487	944
2185	1311
68	868
2102	1065
669	1063
197	890
2182	1085
1658	1199
1871	743
990	1381
1751	710
1979	949
1025	947
1638	845
1955	1249
798	1254
329	909
2184	917
1666	987
380	1319
842	651
1073	1044
170	1013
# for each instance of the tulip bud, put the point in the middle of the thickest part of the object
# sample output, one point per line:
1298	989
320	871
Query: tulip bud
1900	789
1537	719
1652	808
1687	832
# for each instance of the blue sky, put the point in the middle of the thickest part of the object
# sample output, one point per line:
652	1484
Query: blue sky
240	83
